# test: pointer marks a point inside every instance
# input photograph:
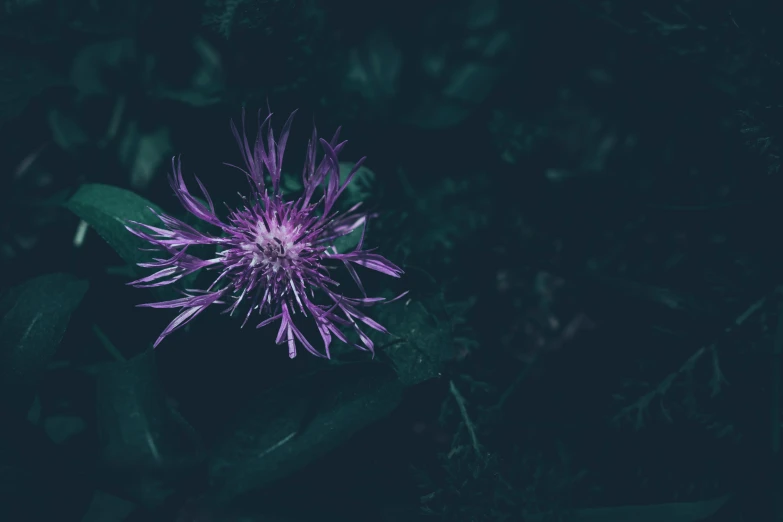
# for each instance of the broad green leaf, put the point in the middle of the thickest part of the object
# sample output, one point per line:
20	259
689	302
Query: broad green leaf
35	317
423	341
288	427
108	209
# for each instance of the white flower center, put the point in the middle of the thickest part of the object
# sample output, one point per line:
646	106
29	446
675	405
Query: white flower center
274	247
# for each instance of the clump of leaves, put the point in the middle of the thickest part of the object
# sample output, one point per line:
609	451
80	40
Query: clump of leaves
36	314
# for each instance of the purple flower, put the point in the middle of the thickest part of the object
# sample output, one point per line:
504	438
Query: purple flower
273	255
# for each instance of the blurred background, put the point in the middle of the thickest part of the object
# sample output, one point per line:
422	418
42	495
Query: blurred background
585	197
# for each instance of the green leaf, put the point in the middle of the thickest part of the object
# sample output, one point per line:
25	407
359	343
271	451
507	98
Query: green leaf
424	340
358	190
108	508
67	133
23	79
145	445
36	315
108	209
289	426
348	242
361	185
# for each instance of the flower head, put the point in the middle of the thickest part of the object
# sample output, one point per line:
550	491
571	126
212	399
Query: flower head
273	256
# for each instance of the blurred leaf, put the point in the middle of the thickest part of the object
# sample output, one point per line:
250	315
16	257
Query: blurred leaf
22	80
108	508
143	153
61	428
291	183
66	132
348	242
425	340
93	62
358	190
145	445
36	315
108	209
360	187
374	68
206	83
288	427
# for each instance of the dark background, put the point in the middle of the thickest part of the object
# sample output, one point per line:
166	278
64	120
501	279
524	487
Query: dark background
585	197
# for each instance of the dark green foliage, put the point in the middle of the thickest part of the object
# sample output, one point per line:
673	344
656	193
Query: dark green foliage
21	80
425	342
272	43
145	445
35	316
427	333
288	427
584	196
109	211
